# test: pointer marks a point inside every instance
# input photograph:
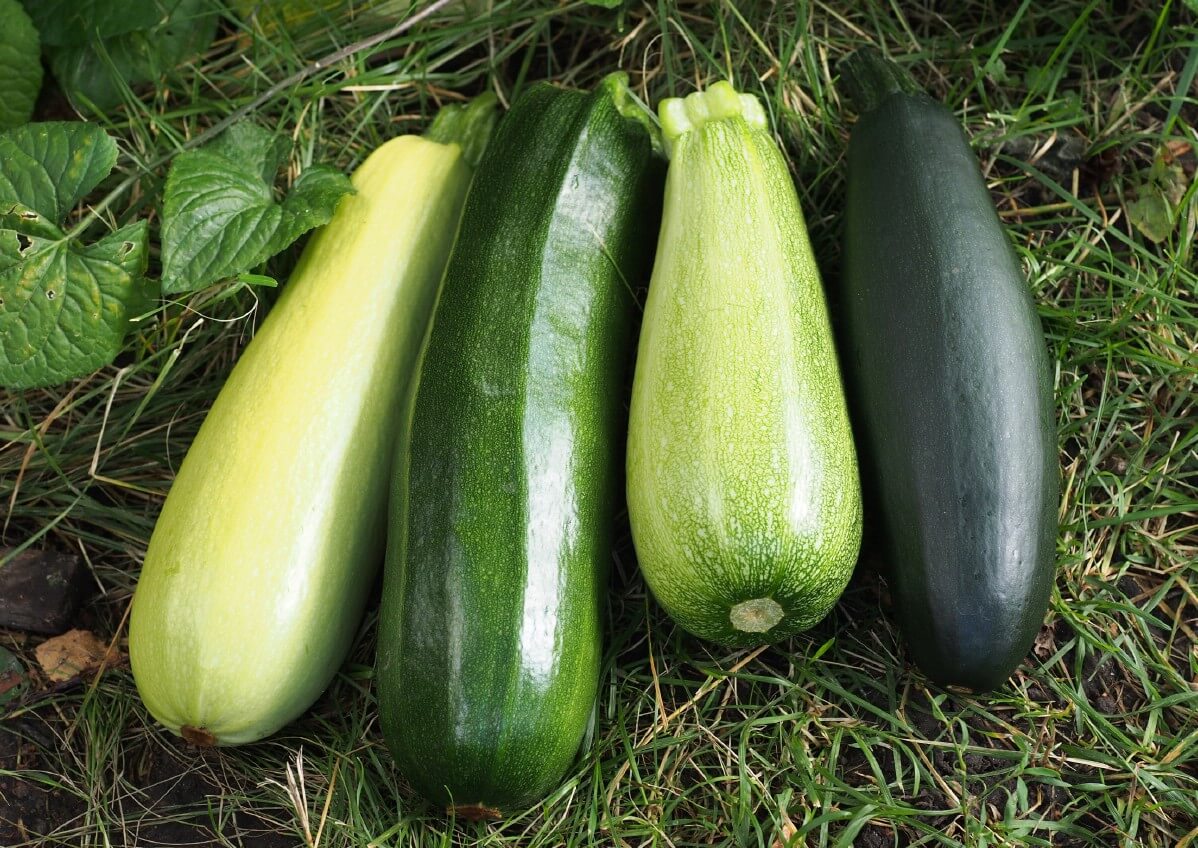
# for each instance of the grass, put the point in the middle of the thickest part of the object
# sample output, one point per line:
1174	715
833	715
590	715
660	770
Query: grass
831	738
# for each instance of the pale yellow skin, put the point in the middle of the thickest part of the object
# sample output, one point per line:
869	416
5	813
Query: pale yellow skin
742	478
259	566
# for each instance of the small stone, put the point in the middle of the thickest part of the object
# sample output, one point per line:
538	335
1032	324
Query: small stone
40	591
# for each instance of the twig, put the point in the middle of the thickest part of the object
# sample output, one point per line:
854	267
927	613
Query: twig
111	653
1062	206
295	79
116	382
328	799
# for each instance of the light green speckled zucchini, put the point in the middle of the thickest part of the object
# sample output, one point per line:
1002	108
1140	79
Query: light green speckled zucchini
742	478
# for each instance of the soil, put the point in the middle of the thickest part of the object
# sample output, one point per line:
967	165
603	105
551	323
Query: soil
874	836
177	803
28	809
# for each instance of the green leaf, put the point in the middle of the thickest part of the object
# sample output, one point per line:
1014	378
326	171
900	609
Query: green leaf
220	216
65	307
996	70
1159	192
250	143
13	681
50	167
1170	178
607	4
65	22
1152	216
96	72
20	65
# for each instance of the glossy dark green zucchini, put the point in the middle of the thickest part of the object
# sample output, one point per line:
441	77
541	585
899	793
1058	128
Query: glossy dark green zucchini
952	384
507	483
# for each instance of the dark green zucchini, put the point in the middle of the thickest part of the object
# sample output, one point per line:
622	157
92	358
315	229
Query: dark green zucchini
507	482
952	383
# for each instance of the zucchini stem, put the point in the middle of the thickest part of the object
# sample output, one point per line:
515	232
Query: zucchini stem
475	812
631	107
868	78
758	615
201	737
468	125
719	102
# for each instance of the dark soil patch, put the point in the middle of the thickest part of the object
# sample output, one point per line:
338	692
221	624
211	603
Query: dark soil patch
28	807
181	804
175	800
1109	687
875	836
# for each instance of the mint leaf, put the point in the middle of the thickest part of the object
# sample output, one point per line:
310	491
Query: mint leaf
96	72
64	306
65	22
220	217
20	65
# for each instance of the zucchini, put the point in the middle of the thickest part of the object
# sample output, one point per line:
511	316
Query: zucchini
260	562
952	382
742	478
507	482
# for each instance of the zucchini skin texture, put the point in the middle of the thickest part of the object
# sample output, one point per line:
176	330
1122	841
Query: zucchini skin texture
507	484
269	540
742	474
954	392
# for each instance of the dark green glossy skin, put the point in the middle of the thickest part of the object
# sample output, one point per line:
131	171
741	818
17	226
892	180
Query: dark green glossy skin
953	394
506	486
